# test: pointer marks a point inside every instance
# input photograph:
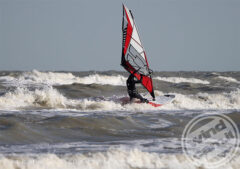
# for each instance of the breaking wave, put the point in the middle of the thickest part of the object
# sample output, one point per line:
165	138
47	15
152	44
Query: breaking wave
54	78
182	80
113	158
23	97
51	98
206	101
228	79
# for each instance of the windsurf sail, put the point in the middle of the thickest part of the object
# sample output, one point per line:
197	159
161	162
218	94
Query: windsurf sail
133	54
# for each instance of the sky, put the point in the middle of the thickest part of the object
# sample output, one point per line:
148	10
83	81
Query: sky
82	35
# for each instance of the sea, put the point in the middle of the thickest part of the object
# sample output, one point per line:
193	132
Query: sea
76	120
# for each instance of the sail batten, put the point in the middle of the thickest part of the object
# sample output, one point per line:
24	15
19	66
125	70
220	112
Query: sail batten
133	54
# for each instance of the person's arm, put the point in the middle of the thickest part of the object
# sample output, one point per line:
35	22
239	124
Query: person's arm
138	81
131	76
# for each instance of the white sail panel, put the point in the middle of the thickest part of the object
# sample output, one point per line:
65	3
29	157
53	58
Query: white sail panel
136	43
135	39
129	16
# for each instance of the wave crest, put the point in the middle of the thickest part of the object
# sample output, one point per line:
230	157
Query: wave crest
22	97
206	101
54	78
182	80
113	158
49	97
228	79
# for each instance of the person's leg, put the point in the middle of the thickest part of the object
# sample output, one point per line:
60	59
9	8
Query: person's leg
143	100
131	96
131	99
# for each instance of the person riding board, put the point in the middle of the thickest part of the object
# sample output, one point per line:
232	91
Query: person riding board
132	91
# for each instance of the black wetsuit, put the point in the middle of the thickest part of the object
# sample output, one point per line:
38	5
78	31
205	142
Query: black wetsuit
132	91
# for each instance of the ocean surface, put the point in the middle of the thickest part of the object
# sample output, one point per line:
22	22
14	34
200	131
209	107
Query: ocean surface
73	120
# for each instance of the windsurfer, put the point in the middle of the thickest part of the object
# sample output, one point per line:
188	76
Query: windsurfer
132	91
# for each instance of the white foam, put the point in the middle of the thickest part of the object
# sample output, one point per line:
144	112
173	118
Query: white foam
22	97
228	79
48	97
54	78
114	158
206	101
161	123
182	80
199	101
120	159
103	79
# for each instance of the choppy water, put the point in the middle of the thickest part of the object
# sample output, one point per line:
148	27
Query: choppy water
73	120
